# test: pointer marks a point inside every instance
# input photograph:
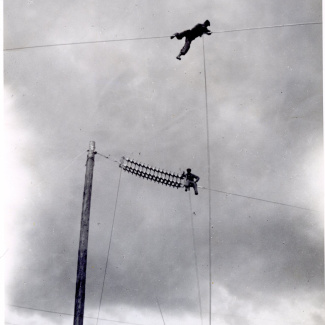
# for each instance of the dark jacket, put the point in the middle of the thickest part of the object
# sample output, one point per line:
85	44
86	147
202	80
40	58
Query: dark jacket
198	30
190	177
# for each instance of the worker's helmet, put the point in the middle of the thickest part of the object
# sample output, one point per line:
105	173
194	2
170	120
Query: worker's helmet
188	170
207	23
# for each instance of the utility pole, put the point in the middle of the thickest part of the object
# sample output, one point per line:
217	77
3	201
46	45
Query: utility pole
83	241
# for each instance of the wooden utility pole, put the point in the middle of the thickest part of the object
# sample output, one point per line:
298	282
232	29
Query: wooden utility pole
83	241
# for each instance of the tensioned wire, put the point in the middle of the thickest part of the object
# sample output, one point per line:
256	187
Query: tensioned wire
109	245
233	194
258	199
156	37
195	260
66	314
209	178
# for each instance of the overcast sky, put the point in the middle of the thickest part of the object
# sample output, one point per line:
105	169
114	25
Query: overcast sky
256	124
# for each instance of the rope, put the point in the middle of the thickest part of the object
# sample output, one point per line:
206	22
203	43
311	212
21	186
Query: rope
154	37
254	198
195	258
160	311
209	179
109	246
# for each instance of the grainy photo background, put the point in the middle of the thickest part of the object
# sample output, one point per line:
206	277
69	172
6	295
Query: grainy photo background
243	109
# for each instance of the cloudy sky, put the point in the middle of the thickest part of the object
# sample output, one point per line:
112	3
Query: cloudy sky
243	109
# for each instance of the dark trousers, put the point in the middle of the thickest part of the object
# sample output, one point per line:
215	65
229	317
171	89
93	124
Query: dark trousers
188	41
189	184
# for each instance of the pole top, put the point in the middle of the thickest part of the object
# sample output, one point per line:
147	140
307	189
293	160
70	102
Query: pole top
91	151
92	145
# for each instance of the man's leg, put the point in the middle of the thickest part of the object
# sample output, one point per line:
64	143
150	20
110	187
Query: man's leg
185	49
180	35
195	188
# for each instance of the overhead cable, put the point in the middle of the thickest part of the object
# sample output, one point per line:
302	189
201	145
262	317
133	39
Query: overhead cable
258	199
66	314
154	37
209	178
109	245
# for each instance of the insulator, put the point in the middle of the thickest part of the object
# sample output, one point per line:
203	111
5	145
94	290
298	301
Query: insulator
148	172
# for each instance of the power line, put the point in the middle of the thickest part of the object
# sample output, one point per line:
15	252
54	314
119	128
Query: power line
154	37
83	43
45	311
267	27
66	314
109	246
108	157
258	199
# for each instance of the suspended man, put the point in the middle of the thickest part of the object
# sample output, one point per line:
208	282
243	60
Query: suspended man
190	35
190	180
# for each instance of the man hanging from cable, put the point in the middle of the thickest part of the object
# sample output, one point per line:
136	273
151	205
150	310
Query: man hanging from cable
190	35
190	180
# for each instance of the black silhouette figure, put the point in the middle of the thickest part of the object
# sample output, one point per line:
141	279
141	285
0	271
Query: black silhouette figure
190	180
190	35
